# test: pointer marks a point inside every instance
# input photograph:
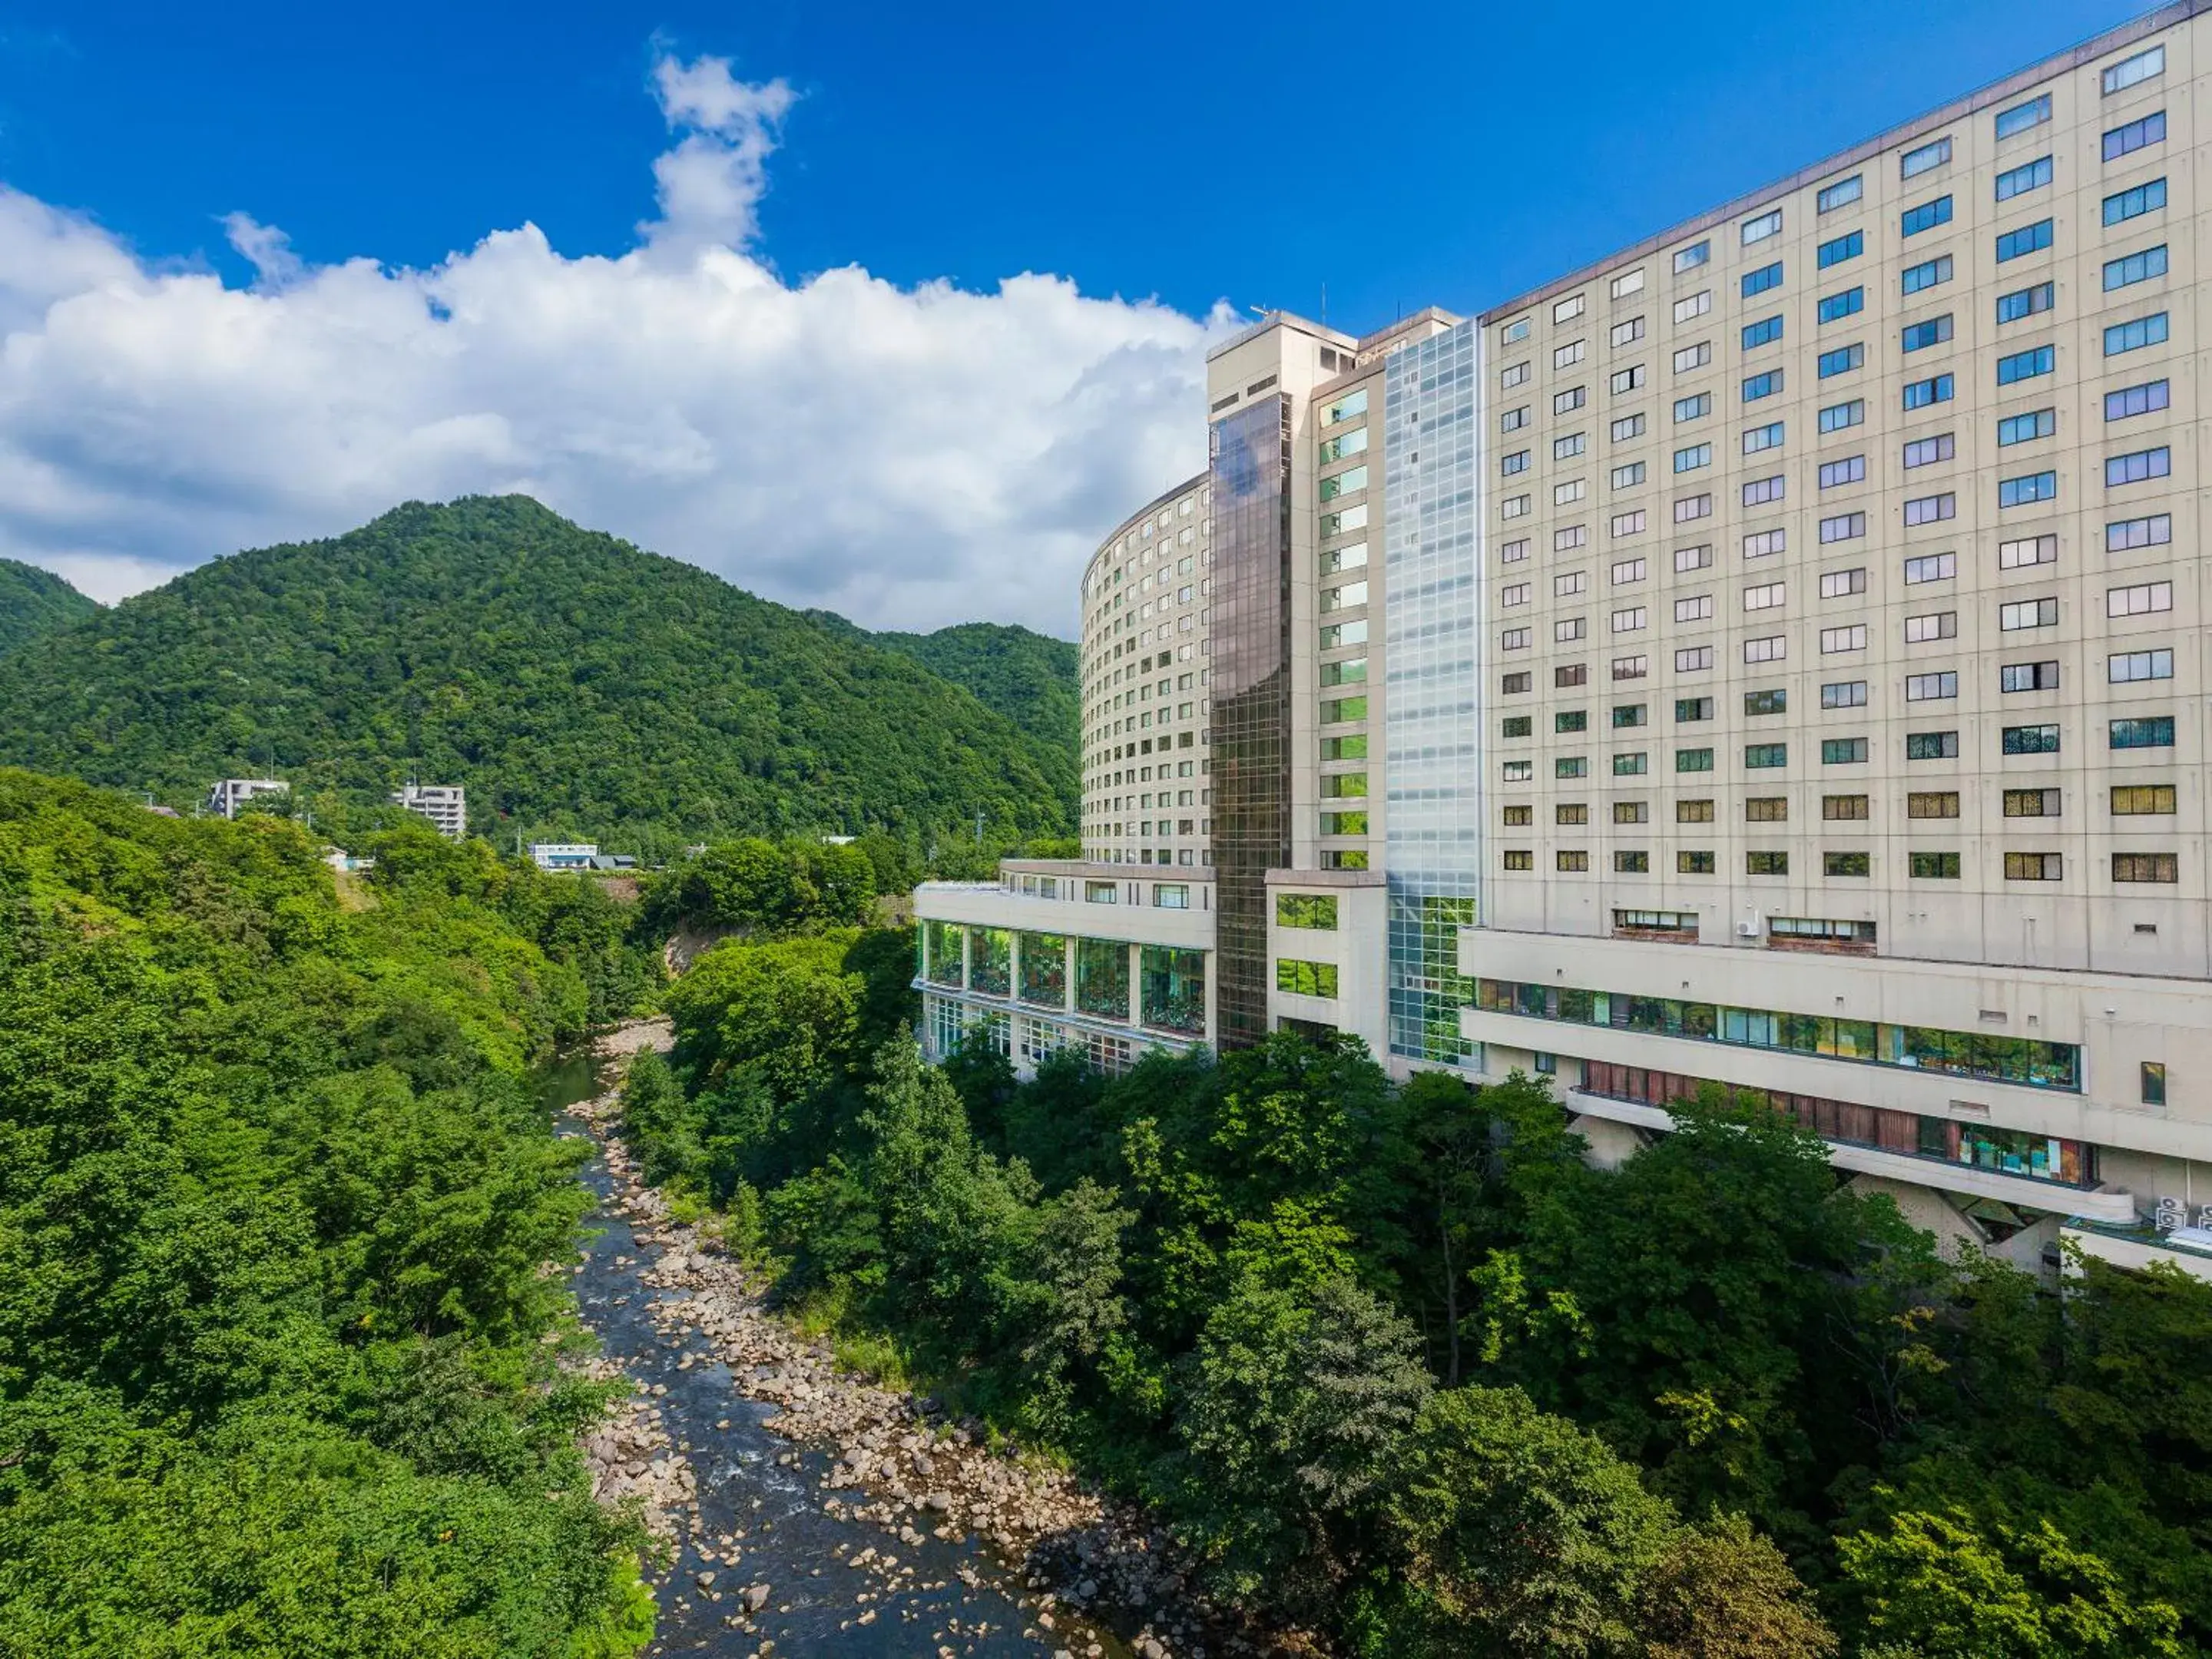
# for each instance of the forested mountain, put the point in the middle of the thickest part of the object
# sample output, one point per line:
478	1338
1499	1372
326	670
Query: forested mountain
34	602
1031	678
575	684
277	1360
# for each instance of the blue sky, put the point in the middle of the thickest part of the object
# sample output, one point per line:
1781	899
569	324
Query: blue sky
265	268
978	141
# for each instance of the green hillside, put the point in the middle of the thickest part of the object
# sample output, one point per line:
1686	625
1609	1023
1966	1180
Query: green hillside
575	686
34	602
1031	678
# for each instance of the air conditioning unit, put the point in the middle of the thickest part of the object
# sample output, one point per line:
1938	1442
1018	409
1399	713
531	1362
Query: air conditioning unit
1747	929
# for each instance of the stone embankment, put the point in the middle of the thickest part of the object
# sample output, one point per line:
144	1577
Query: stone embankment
902	1463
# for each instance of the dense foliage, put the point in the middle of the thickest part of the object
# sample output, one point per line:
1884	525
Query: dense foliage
578	687
1398	1360
275	1371
34	602
1033	679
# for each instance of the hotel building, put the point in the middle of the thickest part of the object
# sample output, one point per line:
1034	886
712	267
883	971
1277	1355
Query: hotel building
1769	657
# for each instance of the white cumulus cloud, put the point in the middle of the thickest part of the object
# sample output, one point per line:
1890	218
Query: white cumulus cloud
909	456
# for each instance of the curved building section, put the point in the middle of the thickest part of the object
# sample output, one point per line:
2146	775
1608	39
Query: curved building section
1147	610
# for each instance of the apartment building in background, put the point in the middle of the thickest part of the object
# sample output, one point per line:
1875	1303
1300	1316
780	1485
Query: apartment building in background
227	795
1771	657
445	806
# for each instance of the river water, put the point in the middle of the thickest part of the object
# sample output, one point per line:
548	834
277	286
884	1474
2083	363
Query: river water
789	1543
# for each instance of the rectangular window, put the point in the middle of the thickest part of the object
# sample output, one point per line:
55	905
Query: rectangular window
1693	760
1314	911
1693	357
1695	456
1758	230
1575	813
1926	216
1931	745
1692	507
2150	330
1631	864
1693	811
1627	765
1627	570
2133	268
1844	527
2124	667
1853	638
2133	400
2031	803
1931	567
1765	332
2024	491
1847	864
1766	864
1692	558
2147	866
1934	625
1843	751
2135	800
1762	386
2025	428
1627	714
1843	693
2021	117
1626	380
1838	584
1693	408
1933	867
1513	682
1926	452
1761	542
2027	677
2134	136
1518	726
2023	303
1920	394
1849	470
1693	306
2149	731
1631	668
1929	273
1568	631
1842	360
1628	333
1693	708
1628	282
1929	332
1842	193
1513	419
1693	864
2030	739
1926	159
1519	858
1574	398
2028	239
1305	979
1628	621
1760	756
2018	181
1758	282
1697	607
1931	688
2138	467
1841	248
1760	491
1837	416
1932	804
2027	550
1931	510
2034	866
1693	658
1626	477
2026	365
2139	600
1834	308
2124	205
1566	310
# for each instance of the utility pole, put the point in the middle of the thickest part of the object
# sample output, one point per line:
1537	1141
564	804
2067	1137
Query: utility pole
979	829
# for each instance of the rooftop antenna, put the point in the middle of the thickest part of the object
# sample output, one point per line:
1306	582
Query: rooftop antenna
1324	305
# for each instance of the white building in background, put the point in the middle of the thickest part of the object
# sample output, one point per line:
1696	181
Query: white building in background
445	805
563	855
1772	656
227	795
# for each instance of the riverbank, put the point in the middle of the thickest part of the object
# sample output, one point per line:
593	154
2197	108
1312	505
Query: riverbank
1080	1568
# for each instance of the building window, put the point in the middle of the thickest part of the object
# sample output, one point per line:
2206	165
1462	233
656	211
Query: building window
1766	864
1759	756
2027	677
1765	332
1766	809
2018	181
2025	364
2127	534
1571	862
1693	708
2132	204
1933	867
1929	332
2034	866
2136	800
2030	739
2027	550
1842	193
2138	600
2130	401
1693	658
2023	303
1929	273
2144	731
2028	613
1842	360
2026	428
1762	386
2123	338
1834	308
1931	745
1314	911
1758	230
1836	251
1305	979
2153	1083
2139	467
1843	693
1631	864
1931	567
1631	811
1845	809
2132	268
1758	282
1922	394
1773	702
1693	811
1519	858
2126	667
1691	258
1693	760
1847	864
2028	239
1926	216
1931	510
2134	136
1931	688
1932	804
1926	159
1693	864
1852	638
1837	416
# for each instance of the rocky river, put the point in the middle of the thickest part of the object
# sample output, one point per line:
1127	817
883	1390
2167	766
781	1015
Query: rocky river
807	1511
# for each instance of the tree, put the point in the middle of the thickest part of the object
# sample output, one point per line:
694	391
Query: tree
1940	1587
1723	1591
1510	1532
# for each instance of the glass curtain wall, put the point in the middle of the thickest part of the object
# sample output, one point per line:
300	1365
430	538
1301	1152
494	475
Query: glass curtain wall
1432	719
1250	682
